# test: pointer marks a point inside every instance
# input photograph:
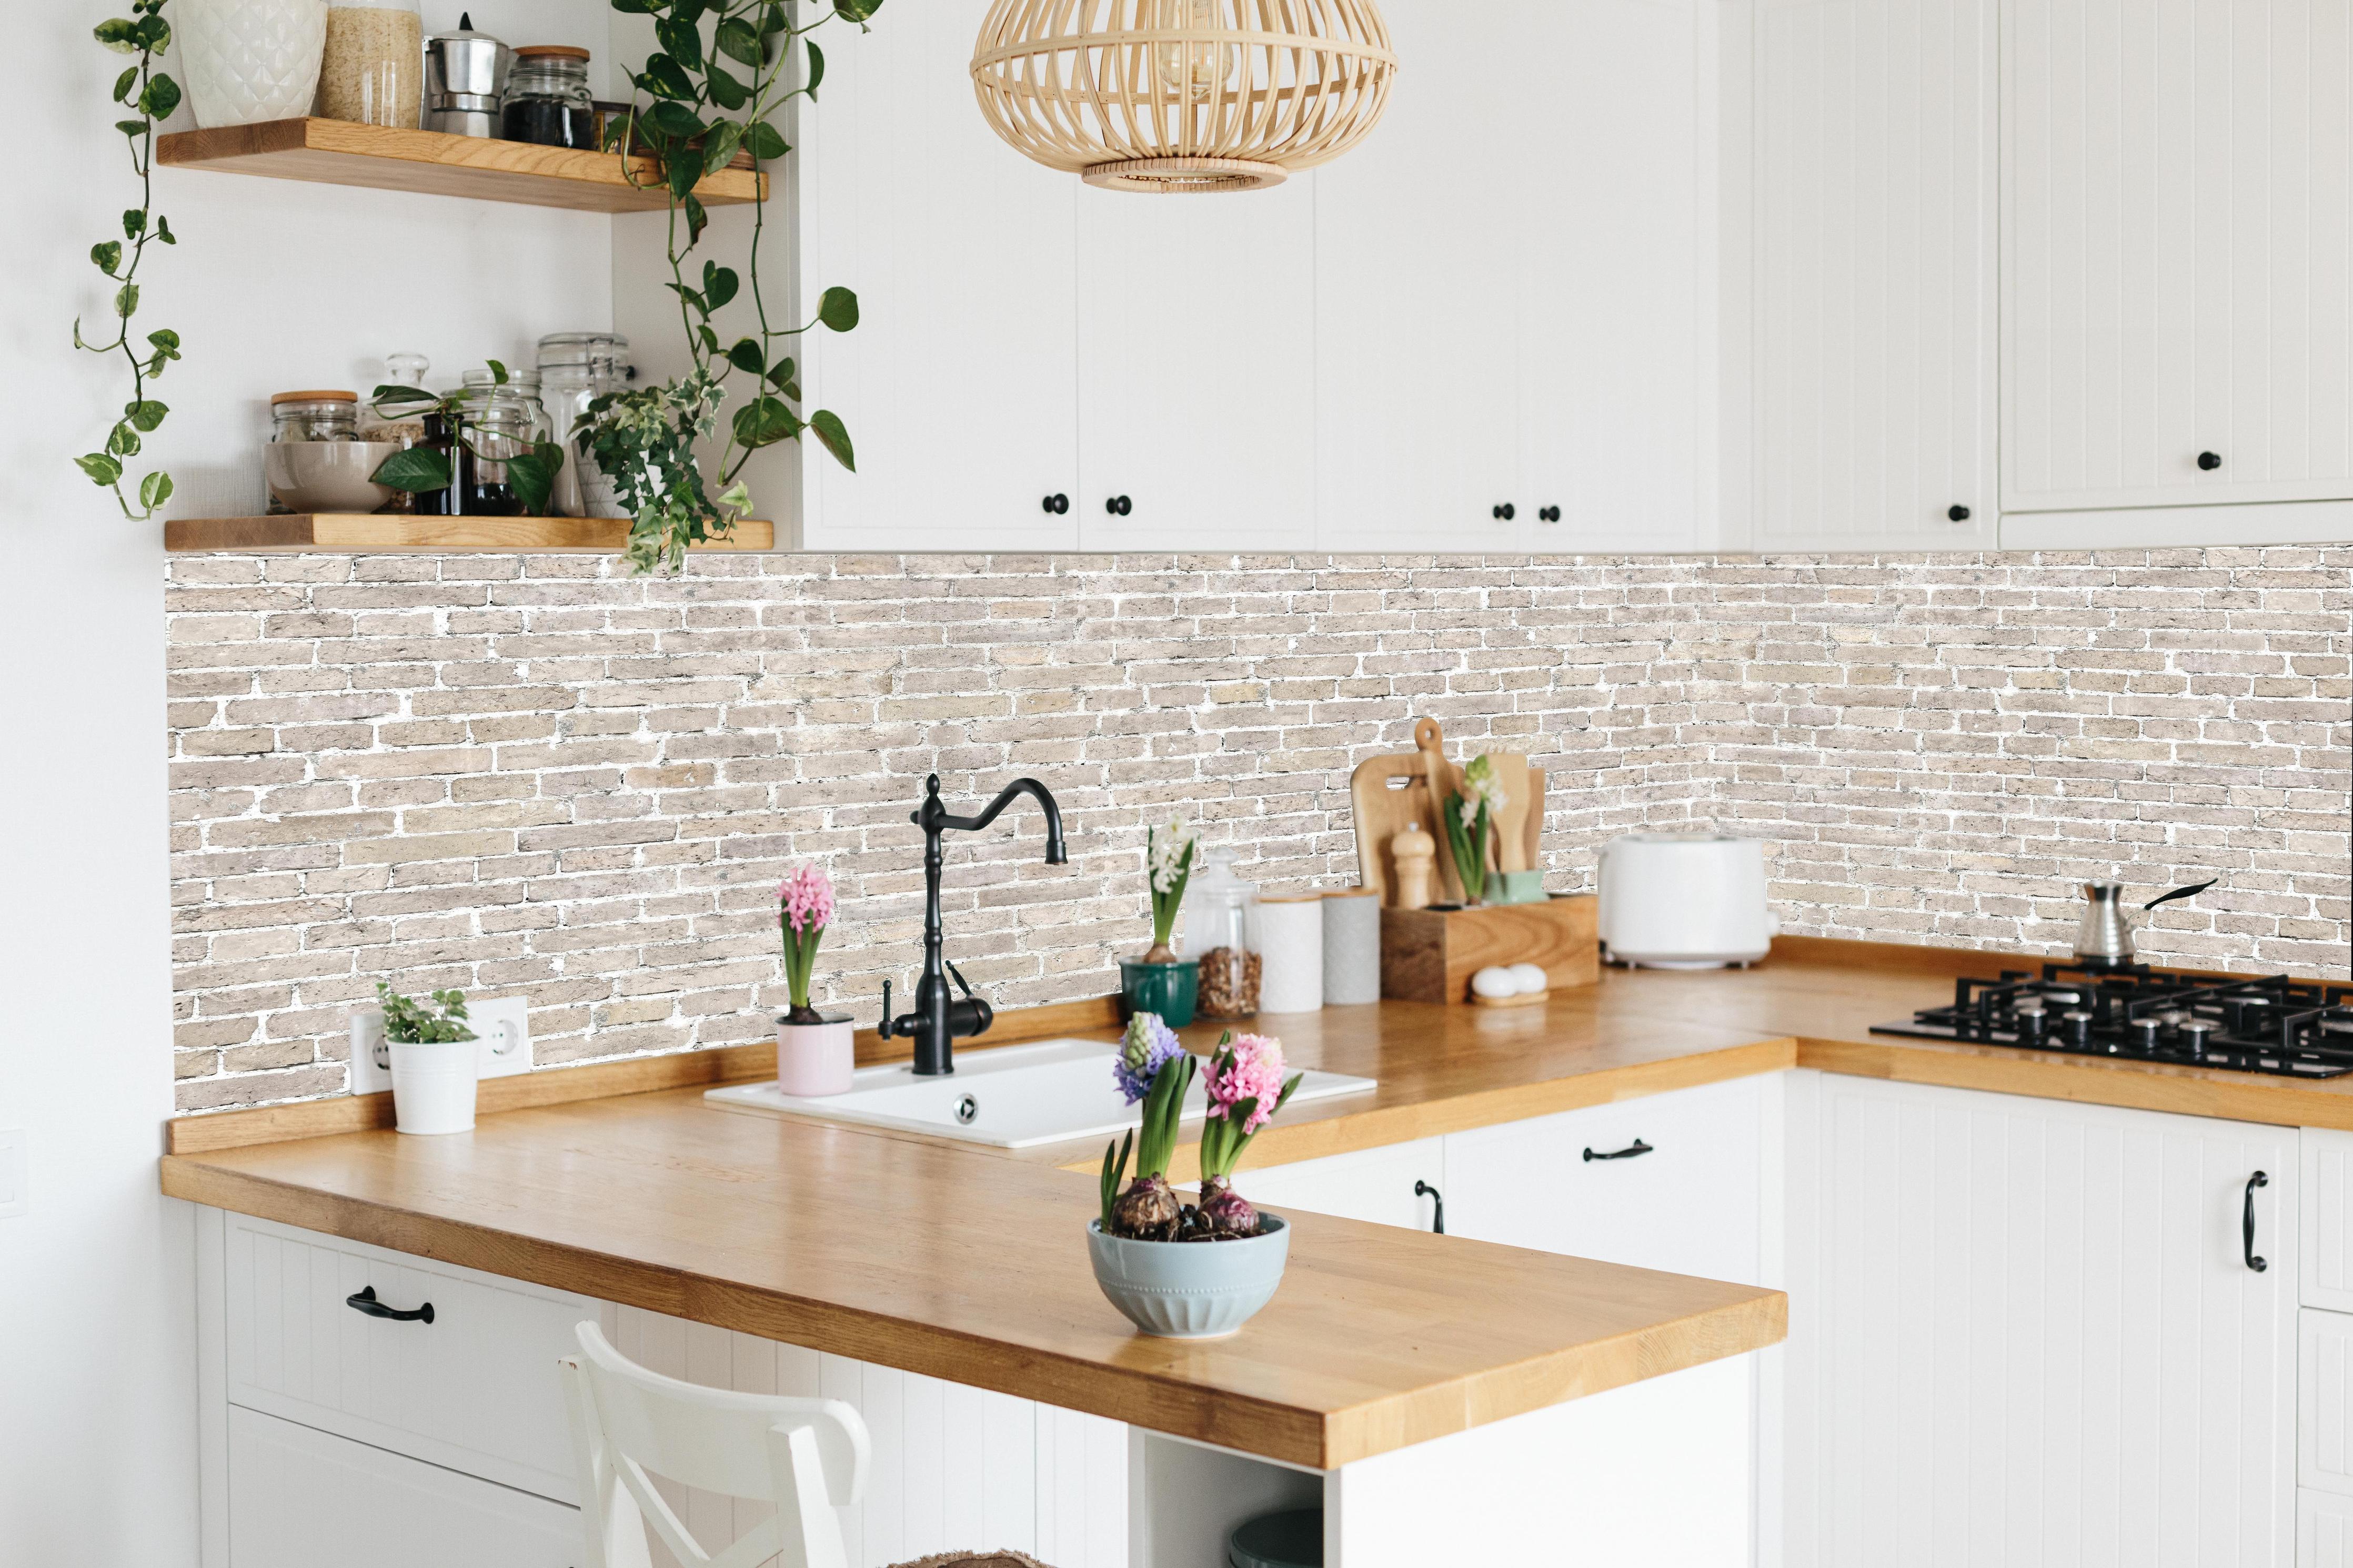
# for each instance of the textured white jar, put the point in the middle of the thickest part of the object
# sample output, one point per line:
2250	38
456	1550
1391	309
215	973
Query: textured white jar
245	61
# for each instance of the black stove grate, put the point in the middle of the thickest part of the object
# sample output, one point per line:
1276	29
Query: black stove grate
2295	1028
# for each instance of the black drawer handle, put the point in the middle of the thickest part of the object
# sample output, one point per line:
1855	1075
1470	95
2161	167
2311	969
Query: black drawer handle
1506	512
1958	513
1119	506
1549	513
1438	1220
1627	1153
2209	461
1058	503
365	1301
2248	1225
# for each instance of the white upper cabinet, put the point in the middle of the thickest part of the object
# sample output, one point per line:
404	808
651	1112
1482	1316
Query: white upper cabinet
2179	261
1872	410
959	384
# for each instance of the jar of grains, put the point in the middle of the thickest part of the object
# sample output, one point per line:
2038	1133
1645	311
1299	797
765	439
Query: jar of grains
1221	925
373	71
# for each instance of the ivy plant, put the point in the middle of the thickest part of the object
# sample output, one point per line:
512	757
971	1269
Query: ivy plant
151	96
710	91
408	1021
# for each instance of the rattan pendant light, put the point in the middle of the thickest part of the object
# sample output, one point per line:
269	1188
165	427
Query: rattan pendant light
1182	95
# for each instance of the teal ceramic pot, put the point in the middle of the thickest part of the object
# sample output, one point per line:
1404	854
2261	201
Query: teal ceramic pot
1190	1289
1168	989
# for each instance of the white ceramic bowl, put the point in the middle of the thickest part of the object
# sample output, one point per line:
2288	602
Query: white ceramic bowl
1190	1289
327	476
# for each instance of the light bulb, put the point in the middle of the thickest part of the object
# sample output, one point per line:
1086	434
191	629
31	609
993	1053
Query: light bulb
1194	70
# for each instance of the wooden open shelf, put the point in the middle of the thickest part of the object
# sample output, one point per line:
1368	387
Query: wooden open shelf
368	533
338	152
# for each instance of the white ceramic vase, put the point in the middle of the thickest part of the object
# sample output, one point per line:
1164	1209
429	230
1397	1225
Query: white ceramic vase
815	1059
433	1086
245	61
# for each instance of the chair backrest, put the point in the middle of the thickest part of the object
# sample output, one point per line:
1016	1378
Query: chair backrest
808	1457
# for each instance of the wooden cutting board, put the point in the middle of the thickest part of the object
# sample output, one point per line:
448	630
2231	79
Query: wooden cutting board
1389	792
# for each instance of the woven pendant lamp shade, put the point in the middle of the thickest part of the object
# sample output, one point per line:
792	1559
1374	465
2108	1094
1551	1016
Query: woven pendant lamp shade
1182	95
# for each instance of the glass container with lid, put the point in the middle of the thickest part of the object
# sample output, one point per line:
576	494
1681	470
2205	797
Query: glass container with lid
374	68
393	426
547	99
314	417
498	421
1221	926
575	370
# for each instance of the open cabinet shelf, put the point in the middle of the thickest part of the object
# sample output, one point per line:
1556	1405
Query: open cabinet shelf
371	533
339	152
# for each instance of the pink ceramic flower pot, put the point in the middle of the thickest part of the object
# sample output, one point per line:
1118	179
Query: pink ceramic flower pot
815	1059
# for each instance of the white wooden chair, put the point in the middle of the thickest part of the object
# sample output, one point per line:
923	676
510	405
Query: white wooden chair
808	1457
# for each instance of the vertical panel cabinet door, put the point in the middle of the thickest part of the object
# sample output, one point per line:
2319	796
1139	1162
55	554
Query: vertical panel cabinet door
2326	1193
1672	1182
2177	310
299	1499
958	385
1196	353
1614	291
1875	257
1374	1184
2024	1330
2323	1530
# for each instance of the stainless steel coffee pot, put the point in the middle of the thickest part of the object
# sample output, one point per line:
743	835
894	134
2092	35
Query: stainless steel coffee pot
2104	938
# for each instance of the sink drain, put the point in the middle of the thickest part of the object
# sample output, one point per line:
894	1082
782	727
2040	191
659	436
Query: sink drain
967	1112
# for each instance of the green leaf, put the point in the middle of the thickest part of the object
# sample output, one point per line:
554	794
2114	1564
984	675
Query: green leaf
740	42
837	309
163	231
720	150
154	491
773	20
126	300
675	119
106	257
123	441
681	41
718	284
135	129
166	341
498	373
119	33
830	430
392	400
151	33
146	413
697	219
856	10
792	391
533	475
682	173
664	78
746	356
726	92
124	83
134	223
415	469
101	468
763	421
162	97
768	143
782	372
816	68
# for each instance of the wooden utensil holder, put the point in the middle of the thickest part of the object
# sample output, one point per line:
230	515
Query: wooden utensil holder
1429	955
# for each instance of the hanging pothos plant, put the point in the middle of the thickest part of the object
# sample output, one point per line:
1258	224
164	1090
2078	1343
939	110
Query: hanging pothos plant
709	92
151	96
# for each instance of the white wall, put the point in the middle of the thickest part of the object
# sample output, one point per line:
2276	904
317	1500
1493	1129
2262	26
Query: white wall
273	285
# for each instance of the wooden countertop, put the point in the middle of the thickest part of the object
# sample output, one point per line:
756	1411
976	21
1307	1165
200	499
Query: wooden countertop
967	1264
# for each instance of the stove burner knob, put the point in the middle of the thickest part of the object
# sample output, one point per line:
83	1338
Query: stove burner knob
2195	1032
2145	1032
2031	1023
2079	1027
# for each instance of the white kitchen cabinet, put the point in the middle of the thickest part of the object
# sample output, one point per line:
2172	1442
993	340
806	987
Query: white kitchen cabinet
2326	1277
299	1498
2025	1330
1873	406
2177	276
2324	1402
2323	1530
1669	1180
1372	1184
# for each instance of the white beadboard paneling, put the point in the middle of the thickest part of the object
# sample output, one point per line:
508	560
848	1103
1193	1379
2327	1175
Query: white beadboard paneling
2324	1401
2178	232
2323	1530
2326	1278
475	1389
2021	1330
1875	262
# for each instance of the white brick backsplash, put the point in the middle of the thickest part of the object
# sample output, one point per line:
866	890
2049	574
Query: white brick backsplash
540	775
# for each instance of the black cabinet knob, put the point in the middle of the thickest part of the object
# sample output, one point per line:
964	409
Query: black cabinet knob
1550	514
1058	504
1119	506
2209	461
1958	513
1506	512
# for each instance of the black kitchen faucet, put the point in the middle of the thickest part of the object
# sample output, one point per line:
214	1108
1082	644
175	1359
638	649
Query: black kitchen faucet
939	1020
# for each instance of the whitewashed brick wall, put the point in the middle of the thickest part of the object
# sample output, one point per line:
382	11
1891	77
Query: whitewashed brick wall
542	775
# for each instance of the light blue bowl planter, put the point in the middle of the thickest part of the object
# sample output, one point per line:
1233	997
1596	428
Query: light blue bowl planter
1190	1289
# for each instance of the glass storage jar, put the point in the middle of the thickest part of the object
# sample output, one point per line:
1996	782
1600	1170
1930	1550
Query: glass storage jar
1221	925
314	417
497	422
548	101
396	427
373	69
575	370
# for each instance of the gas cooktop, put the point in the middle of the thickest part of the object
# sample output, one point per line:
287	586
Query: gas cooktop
2297	1029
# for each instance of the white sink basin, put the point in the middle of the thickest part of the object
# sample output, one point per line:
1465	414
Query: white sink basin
1013	1097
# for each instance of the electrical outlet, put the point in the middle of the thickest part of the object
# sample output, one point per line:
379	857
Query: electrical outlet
13	1196
502	1026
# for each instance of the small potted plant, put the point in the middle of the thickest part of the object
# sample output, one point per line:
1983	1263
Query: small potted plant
1160	982
815	1053
1144	1243
434	1067
1470	824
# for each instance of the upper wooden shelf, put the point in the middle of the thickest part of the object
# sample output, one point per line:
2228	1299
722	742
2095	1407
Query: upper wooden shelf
339	152
373	534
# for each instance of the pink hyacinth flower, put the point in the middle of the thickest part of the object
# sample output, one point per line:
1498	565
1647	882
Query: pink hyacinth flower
1254	1072
807	894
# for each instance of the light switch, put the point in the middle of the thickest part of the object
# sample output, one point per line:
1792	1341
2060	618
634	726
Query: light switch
14	1197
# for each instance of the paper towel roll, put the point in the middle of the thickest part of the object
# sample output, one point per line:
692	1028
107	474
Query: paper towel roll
1351	948
1291	945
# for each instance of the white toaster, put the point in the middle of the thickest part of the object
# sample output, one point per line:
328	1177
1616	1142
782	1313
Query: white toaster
1684	901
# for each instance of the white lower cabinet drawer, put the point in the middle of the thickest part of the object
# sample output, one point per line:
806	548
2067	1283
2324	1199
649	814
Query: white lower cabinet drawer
475	1389
1374	1184
2323	1530
305	1499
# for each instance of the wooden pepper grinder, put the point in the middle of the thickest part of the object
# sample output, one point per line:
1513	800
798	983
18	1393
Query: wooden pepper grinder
1416	854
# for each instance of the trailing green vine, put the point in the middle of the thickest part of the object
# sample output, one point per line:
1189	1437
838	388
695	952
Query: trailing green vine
151	96
700	114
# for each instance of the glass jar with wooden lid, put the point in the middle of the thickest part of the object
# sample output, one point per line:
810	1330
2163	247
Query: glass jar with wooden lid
548	102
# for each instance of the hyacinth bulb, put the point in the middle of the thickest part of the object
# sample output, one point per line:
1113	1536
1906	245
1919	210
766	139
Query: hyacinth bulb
1227	1210
1147	1211
1193	71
